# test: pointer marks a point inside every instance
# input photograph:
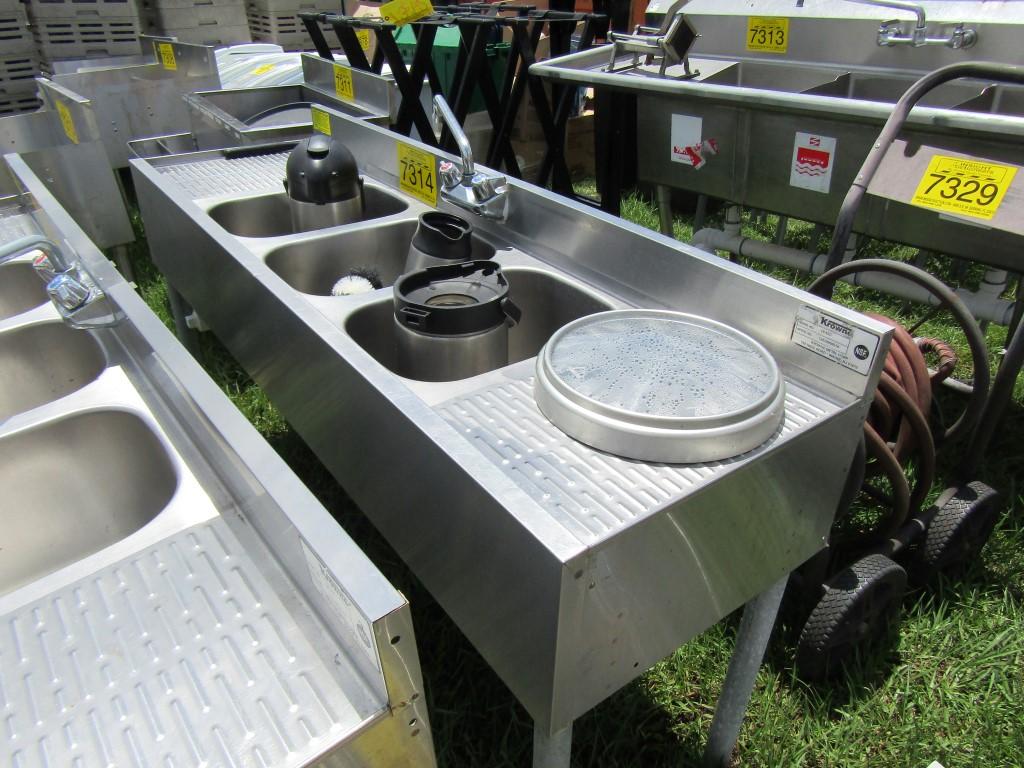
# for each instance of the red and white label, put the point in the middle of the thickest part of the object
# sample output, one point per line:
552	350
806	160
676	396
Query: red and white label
813	159
686	140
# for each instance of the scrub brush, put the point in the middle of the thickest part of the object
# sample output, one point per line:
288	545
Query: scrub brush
358	280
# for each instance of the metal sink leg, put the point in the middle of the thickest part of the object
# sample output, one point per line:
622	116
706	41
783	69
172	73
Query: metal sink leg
751	640
552	751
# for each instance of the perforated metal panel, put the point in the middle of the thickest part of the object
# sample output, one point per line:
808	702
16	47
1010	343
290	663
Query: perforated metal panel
224	176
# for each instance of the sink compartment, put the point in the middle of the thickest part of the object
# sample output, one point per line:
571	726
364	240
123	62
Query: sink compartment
547	302
20	290
314	266
44	362
774	76
270	215
75	486
890	89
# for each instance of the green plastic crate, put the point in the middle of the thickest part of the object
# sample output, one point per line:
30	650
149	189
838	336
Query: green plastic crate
446	52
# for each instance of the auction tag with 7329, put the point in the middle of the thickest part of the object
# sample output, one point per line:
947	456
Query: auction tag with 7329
417	173
964	187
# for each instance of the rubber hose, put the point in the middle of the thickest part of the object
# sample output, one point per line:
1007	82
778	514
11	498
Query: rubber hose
947	358
879	450
824	285
918	424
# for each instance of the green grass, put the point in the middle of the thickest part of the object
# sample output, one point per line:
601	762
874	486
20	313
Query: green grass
951	689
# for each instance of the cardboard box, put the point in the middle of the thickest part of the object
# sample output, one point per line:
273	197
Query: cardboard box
367	11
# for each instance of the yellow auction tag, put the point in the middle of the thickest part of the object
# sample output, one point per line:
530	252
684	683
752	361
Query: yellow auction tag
67	121
363	36
964	187
321	121
262	70
403	11
166	53
417	173
768	33
343	83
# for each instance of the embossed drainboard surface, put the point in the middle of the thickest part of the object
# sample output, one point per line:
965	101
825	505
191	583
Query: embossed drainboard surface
590	493
180	655
224	176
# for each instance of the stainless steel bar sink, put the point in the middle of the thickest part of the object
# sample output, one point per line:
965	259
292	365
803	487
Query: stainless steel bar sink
170	593
570	569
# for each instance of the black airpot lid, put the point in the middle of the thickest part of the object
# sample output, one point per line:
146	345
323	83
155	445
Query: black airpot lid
321	170
454	299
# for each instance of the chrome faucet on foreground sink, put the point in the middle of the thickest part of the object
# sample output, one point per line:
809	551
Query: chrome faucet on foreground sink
464	187
81	303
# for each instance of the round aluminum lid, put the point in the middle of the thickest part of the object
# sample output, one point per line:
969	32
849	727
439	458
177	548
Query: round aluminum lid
659	386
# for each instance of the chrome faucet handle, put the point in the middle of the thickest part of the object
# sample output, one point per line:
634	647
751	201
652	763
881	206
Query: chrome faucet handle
68	293
80	301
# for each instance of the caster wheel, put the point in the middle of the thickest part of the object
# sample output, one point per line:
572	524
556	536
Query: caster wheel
959	529
860	607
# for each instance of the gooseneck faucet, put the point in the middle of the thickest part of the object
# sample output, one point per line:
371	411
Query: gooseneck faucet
477	192
70	287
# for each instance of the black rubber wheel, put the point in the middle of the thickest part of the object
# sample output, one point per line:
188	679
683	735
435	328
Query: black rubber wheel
959	529
860	607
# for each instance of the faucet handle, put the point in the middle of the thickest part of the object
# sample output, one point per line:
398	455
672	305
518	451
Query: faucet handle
68	292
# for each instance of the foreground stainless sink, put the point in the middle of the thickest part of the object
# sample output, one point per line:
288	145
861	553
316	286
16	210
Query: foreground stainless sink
171	594
115	476
270	216
571	570
44	362
20	290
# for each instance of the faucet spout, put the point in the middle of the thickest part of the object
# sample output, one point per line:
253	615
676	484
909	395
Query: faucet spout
49	265
482	193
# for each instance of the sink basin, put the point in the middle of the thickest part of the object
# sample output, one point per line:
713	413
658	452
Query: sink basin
270	216
890	89
20	290
75	486
547	302
775	76
314	266
44	362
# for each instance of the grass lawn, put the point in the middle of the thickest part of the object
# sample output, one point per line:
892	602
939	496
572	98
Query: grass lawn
952	688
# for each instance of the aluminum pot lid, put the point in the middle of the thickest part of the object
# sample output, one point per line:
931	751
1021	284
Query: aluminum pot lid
659	386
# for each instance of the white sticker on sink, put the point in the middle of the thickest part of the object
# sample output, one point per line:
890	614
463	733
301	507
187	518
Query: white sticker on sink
686	133
341	603
813	159
835	339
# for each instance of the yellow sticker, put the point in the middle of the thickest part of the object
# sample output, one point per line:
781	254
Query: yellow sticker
403	11
417	173
363	36
166	53
321	121
67	121
964	187
768	33
262	70
343	83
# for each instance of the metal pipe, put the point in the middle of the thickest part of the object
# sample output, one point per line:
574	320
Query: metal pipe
899	5
985	305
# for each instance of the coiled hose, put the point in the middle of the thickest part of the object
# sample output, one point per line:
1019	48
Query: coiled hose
897	430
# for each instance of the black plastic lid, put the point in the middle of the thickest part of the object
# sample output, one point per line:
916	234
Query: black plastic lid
321	170
451	300
443	236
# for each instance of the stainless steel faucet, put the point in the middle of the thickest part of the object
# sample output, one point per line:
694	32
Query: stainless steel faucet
892	33
486	195
70	287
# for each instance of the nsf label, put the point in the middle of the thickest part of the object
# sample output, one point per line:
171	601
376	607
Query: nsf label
835	339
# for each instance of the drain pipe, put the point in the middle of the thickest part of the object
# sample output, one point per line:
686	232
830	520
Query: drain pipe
984	304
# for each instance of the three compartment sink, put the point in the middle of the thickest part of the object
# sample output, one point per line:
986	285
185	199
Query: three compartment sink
270	215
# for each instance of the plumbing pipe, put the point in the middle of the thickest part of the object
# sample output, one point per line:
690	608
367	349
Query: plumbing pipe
985	304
